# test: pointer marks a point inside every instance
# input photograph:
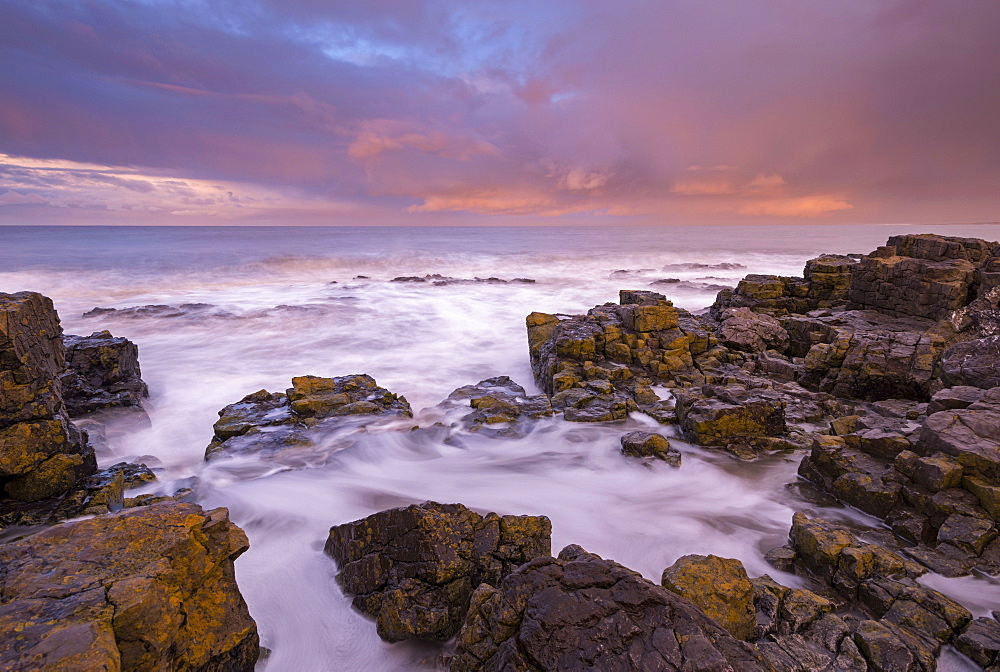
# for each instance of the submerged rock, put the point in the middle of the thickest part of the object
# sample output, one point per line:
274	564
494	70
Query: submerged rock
500	407
414	569
273	422
102	371
650	444
582	612
148	589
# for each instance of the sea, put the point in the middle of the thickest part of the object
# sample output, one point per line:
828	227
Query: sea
248	308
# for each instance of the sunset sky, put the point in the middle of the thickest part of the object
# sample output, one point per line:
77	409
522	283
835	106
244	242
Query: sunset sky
467	112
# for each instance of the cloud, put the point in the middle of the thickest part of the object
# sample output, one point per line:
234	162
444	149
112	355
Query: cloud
664	112
804	206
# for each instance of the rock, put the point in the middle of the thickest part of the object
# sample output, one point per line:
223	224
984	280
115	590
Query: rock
719	587
743	329
312	397
967	533
721	416
42	454
501	407
971	435
101	372
961	396
273	423
414	569
649	444
581	612
972	363
981	641
924	275
149	588
867	355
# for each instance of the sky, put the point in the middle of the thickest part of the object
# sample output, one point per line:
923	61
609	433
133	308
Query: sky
468	112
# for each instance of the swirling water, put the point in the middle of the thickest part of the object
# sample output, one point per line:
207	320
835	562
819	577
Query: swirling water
261	305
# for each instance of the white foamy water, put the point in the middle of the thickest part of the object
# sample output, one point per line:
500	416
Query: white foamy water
288	302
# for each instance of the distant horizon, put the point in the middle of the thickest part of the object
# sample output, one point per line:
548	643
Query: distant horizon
415	113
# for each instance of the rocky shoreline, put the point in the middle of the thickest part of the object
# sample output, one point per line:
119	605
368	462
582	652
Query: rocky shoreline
882	369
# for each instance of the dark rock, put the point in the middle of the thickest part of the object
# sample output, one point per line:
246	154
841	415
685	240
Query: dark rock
408	278
274	422
972	363
970	435
414	569
150	588
650	444
967	533
719	587
581	612
950	398
101	372
721	416
981	641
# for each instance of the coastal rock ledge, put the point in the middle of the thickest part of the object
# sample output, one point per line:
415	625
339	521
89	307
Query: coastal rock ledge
151	588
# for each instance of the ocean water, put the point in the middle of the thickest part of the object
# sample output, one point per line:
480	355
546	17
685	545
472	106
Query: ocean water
252	307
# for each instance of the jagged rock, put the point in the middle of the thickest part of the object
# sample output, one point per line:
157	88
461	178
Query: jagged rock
923	275
650	444
42	454
146	589
970	435
581	612
276	422
719	587
414	569
981	641
743	329
824	285
101	372
644	337
726	416
867	355
501	407
961	396
972	363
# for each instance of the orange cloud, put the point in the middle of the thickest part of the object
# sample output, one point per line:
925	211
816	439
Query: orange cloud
503	202
805	206
381	136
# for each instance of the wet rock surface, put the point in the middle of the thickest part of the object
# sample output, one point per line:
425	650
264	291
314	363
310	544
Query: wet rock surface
582	612
414	569
278	422
650	444
151	588
102	371
500	407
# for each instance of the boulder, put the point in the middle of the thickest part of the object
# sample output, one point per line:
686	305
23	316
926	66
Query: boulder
582	612
971	435
650	444
733	415
981	642
414	569
42	454
743	329
151	588
975	363
720	587
102	371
